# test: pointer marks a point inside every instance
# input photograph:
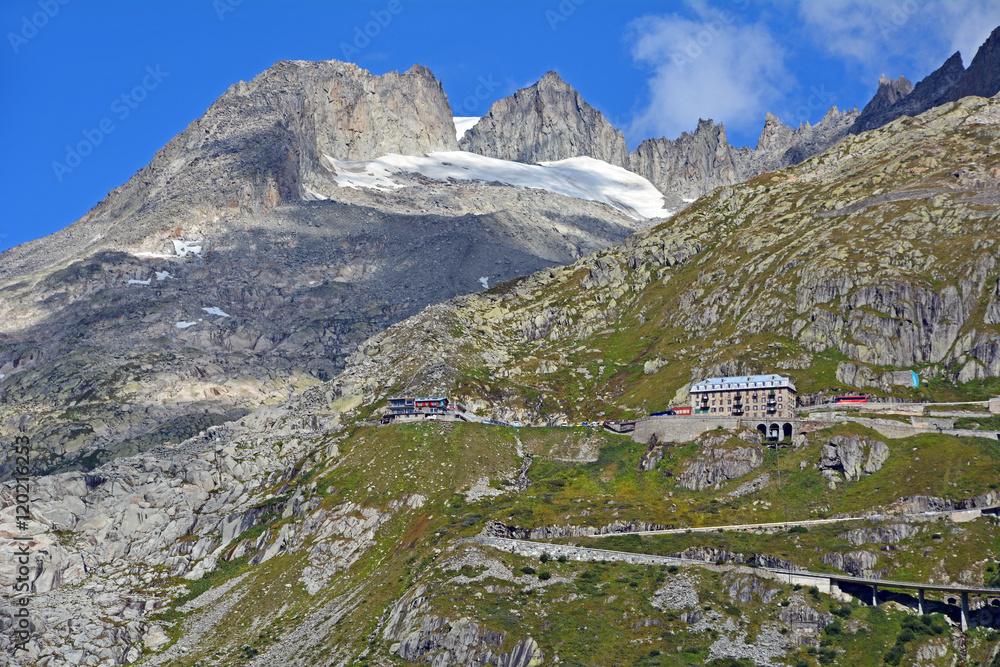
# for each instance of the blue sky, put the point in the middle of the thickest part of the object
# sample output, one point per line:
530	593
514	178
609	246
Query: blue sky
123	78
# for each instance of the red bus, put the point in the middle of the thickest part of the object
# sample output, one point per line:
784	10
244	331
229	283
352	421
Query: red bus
851	398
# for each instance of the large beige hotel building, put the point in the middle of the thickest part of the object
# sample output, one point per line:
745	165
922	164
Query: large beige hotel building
746	396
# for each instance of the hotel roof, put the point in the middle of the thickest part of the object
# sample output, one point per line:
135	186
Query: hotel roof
743	382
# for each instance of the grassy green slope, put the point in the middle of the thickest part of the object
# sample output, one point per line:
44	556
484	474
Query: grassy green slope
418	547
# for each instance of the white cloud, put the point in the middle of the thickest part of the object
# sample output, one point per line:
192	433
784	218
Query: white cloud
917	35
710	66
967	25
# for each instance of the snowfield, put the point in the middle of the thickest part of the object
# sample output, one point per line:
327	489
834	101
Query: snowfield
579	177
463	124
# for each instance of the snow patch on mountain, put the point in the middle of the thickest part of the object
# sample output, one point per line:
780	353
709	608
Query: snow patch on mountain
185	248
463	124
579	177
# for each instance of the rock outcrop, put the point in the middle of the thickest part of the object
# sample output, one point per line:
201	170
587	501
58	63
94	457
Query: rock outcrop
677	592
781	146
545	122
806	623
686	168
745	589
888	534
853	456
855	563
421	636
719	464
918	504
338	109
859	375
950	82
497	529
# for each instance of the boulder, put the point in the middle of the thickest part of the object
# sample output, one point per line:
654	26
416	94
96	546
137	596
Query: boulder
854	456
714	465
856	563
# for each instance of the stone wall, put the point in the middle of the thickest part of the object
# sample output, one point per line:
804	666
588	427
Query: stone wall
586	554
679	428
890	428
895	408
969	433
930	422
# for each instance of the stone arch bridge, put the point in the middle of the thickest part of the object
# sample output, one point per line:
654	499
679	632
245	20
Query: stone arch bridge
685	428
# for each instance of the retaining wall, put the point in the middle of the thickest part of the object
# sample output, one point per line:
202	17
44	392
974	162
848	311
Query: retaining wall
679	428
584	554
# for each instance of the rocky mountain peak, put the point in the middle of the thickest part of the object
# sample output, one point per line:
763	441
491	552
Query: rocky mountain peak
895	99
551	80
774	133
780	145
546	121
351	114
983	76
258	145
893	89
889	92
689	166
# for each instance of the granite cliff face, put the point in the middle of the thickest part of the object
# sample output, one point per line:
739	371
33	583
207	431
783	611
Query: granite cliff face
350	115
545	122
684	169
